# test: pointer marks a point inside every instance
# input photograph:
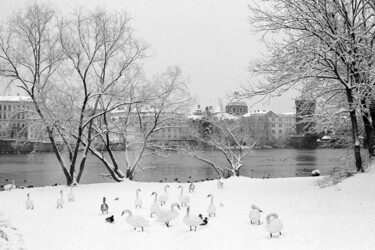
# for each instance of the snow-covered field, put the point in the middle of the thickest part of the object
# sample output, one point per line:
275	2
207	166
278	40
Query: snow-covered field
338	217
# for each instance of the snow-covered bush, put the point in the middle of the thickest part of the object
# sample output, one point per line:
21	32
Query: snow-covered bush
9	236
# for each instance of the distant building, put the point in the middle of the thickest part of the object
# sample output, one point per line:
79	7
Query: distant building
14	118
236	108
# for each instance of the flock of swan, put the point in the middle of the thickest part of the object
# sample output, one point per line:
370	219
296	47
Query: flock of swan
163	215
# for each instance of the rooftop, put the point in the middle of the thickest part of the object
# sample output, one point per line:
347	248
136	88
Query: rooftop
15	98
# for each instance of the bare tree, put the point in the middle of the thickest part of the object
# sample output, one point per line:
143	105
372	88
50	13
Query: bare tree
324	44
224	134
30	55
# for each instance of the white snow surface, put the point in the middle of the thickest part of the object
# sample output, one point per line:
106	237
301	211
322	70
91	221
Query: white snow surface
338	217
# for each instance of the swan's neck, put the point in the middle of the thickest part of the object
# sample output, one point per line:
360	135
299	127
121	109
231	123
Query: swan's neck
182	190
156	198
212	200
137	193
165	190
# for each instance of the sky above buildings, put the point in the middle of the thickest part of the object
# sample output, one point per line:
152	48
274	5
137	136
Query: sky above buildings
210	40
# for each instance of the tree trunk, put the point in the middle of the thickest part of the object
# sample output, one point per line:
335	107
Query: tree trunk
355	135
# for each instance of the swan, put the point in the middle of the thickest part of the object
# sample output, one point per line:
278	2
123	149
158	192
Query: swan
220	184
166	216
254	214
191	187
29	203
192	220
71	195
163	198
154	207
135	220
274	224
60	202
104	207
138	200
184	199
9	186
211	209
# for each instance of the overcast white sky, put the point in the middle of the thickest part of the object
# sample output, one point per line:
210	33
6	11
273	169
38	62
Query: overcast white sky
209	39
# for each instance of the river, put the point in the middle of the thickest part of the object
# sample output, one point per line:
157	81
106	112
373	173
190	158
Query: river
42	169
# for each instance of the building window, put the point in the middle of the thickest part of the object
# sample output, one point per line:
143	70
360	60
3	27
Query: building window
280	131
280	119
273	125
273	119
9	107
233	110
280	125
240	110
273	131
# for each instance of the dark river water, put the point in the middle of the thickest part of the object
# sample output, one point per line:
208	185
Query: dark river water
42	169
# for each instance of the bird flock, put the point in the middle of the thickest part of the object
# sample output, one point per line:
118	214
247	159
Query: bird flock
167	214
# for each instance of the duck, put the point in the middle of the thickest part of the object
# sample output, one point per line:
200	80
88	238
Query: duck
135	220
29	203
138	200
254	215
211	209
193	221
110	219
184	199
166	215
274	224
10	186
71	195
104	207
163	198
155	206
191	188
205	220
60	202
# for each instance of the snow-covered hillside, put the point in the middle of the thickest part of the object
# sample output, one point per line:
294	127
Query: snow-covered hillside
338	217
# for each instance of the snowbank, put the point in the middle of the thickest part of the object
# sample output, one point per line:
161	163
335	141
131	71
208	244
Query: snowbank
339	217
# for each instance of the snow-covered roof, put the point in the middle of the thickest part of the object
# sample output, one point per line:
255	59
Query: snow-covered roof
225	116
288	113
195	117
254	112
15	98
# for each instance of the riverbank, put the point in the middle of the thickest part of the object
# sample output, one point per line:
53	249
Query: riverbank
338	217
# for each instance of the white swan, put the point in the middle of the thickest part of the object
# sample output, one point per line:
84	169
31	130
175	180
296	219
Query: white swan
184	199
154	207
274	224
29	203
163	198
71	195
193	221
104	207
138	200
135	220
211	209
10	186
254	215
191	188
166	216
220	184
60	202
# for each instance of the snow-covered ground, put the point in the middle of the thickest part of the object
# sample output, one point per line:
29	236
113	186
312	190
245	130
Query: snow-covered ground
338	217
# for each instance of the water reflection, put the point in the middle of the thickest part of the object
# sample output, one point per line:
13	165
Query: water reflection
43	169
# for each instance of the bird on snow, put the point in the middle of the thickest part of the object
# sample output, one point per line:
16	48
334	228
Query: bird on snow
10	186
71	195
110	219
60	202
184	199
193	221
138	200
104	207
29	203
135	220
274	224
155	206
205	220
191	188
166	215
163	198
211	209
254	215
